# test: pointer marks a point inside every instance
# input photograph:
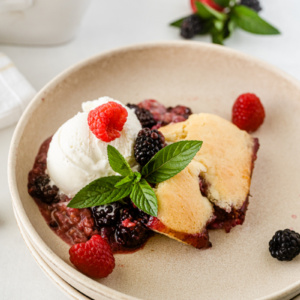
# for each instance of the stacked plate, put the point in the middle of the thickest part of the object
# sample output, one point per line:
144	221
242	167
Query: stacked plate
206	78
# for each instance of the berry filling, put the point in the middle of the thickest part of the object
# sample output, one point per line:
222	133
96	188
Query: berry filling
144	115
71	224
122	224
164	116
225	220
199	240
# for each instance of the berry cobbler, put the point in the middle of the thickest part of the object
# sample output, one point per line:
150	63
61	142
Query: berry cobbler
211	192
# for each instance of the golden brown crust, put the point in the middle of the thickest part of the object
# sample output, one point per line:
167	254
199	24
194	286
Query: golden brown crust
181	206
226	153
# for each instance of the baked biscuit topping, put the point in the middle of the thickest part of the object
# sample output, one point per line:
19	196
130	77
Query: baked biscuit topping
226	154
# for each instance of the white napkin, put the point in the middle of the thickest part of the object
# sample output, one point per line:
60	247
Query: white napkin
15	92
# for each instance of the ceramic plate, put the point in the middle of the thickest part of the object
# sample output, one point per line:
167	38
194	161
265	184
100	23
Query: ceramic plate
67	289
206	78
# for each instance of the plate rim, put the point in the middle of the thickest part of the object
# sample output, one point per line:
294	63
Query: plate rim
64	286
16	199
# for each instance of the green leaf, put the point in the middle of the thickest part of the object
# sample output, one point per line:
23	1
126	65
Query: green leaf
178	22
229	28
206	12
218	31
118	162
143	196
219	25
250	21
223	3
170	160
100	191
206	27
217	37
137	177
125	180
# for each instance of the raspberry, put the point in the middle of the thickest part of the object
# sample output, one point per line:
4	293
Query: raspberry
147	144
144	115
209	3
285	245
247	112
253	4
93	258
107	121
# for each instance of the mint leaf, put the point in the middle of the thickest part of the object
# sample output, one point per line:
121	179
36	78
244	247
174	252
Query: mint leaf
143	196
229	28
217	37
250	21
118	162
137	177
223	3
219	25
170	160
206	12
125	180
132	178
178	22
100	191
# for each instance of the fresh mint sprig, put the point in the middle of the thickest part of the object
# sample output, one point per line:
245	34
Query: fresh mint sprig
165	164
220	25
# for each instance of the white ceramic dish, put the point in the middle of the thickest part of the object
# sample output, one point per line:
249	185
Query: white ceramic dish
40	22
207	78
67	289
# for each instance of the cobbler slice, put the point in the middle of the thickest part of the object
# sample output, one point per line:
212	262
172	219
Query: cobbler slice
212	192
183	212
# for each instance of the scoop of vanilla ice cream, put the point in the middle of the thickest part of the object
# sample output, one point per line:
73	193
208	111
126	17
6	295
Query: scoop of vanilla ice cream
76	156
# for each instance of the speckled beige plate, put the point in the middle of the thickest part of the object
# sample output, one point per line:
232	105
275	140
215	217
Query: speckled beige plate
208	79
67	289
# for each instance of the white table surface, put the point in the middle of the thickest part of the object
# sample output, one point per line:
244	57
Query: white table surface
108	25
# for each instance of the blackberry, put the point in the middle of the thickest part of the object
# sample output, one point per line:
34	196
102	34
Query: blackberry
147	144
40	188
131	232
285	244
144	115
106	215
253	4
191	26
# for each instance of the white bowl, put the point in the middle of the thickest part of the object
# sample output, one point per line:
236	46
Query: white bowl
207	78
40	22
